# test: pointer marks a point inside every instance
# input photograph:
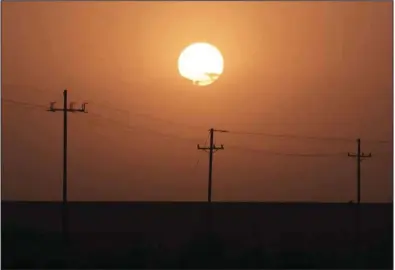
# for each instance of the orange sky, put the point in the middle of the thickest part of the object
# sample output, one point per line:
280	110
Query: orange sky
305	68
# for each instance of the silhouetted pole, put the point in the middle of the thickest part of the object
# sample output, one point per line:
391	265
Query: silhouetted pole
210	164
64	197
359	157
65	110
212	148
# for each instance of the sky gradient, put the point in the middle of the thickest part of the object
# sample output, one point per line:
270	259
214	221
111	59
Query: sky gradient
313	69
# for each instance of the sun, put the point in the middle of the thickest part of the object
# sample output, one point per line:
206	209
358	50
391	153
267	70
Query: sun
202	63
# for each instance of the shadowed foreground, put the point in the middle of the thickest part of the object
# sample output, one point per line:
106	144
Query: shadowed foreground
197	235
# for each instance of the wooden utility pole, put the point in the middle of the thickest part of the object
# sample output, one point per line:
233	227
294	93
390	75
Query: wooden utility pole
65	110
359	157
211	149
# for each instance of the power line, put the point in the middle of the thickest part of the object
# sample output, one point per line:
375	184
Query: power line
236	132
148	116
274	153
66	109
291	136
205	143
24	103
359	157
109	120
211	149
155	118
138	127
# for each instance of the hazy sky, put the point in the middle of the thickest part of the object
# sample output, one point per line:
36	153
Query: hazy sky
319	69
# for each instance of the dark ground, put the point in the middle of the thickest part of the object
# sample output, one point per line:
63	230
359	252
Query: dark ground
197	235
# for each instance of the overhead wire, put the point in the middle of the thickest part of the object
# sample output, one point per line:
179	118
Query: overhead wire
205	144
24	103
134	127
302	137
148	116
235	132
126	126
238	132
275	153
290	136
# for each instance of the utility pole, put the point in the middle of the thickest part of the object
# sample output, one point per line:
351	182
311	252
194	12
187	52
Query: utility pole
211	149
359	157
65	110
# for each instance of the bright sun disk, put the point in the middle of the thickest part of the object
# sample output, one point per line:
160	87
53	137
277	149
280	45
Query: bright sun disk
202	63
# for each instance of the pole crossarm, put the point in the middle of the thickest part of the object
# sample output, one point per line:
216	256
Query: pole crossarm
361	156
207	149
220	130
70	109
